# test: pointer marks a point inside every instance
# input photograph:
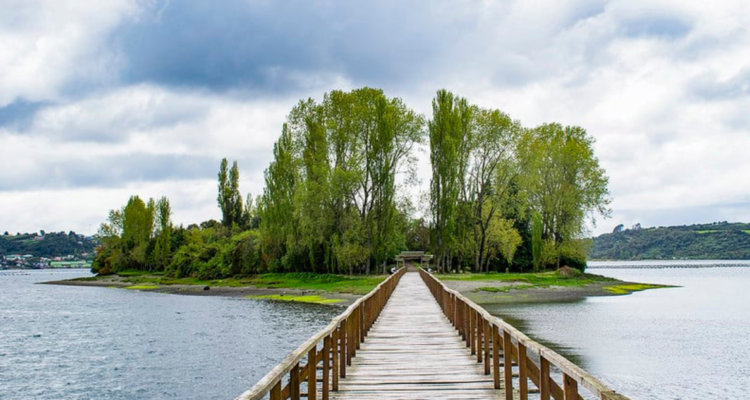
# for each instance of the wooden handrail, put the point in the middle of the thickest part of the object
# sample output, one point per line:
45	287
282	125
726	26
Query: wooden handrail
339	343
490	337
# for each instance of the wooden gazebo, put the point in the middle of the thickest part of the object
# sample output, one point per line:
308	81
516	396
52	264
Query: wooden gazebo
424	259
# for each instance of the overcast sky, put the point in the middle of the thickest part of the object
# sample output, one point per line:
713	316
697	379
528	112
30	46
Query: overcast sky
100	100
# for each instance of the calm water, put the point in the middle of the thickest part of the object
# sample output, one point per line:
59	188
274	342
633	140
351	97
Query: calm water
691	342
65	342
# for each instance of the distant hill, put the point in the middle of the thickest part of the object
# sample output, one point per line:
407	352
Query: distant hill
718	240
53	244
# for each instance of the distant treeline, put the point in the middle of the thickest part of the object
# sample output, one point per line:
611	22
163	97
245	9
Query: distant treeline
336	197
718	240
43	244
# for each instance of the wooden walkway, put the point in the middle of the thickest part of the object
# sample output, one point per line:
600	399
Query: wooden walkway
413	352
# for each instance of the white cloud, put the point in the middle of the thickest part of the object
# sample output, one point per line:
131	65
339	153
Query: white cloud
48	44
84	209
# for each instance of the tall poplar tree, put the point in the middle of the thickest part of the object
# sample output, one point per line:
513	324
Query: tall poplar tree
448	131
229	198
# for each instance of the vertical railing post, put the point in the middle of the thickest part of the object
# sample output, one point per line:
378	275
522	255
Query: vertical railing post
351	325
312	373
570	388
496	357
276	391
335	357
472	337
479	319
508	365
326	367
487	349
523	380
343	348
544	384
294	383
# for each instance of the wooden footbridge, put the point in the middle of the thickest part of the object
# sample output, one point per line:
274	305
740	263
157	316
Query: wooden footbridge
413	338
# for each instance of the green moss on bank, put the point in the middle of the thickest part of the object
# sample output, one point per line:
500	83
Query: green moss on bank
142	287
632	287
302	299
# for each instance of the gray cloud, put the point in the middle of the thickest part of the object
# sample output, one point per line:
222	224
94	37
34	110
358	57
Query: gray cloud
19	114
81	170
711	87
261	45
84	171
662	26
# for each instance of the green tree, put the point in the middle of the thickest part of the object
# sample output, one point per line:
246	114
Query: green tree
162	251
564	183
491	170
229	198
448	132
278	226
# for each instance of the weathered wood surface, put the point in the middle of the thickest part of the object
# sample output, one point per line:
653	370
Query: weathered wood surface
413	352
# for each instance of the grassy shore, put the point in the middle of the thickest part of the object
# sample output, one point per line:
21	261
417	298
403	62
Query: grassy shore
299	287
548	286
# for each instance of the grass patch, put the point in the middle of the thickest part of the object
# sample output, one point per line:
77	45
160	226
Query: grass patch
703	232
531	280
632	287
323	282
302	299
505	289
142	287
746	231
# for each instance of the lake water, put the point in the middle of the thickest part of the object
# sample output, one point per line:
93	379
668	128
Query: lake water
690	342
67	342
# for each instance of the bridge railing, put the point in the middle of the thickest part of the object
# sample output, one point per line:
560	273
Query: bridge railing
491	338
333	347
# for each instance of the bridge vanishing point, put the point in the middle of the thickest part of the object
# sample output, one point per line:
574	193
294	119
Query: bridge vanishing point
413	338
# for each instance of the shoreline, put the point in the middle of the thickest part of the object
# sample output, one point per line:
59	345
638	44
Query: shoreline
481	291
246	292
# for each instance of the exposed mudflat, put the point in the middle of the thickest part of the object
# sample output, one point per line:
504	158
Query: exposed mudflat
471	289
